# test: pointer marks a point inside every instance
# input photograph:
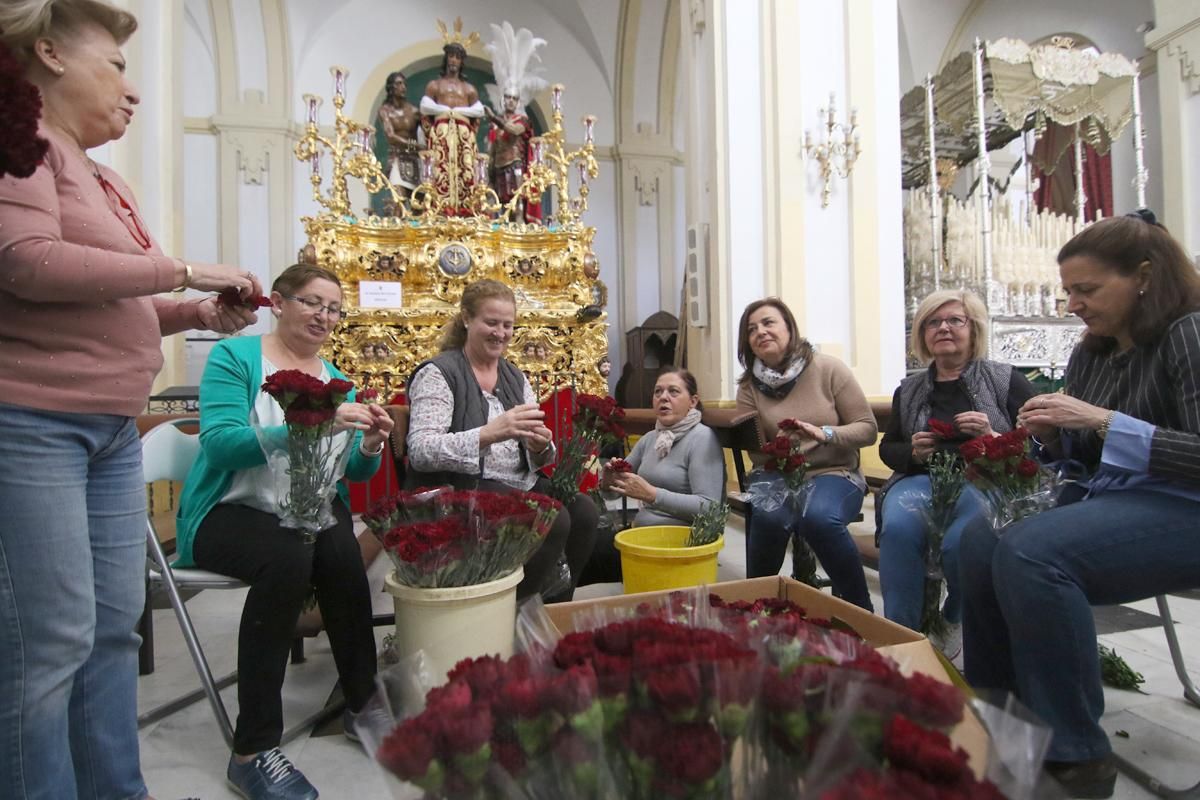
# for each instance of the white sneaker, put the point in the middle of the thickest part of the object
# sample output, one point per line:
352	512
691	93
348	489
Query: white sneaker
950	643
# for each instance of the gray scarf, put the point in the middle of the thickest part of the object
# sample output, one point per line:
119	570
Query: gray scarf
777	384
665	436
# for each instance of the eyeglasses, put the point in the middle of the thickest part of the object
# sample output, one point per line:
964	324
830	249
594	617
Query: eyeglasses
124	211
316	307
936	322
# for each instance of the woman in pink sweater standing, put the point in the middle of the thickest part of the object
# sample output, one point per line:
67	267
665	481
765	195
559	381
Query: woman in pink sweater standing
785	378
81	324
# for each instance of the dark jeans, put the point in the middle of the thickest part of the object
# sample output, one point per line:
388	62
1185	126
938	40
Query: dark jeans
1027	597
832	503
279	567
573	533
605	564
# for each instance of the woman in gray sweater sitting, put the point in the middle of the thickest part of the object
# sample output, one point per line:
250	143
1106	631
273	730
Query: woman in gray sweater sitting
678	469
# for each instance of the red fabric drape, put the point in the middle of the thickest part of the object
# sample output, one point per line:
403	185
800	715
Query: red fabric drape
1056	191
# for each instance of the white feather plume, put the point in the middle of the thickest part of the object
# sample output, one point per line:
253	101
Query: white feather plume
513	56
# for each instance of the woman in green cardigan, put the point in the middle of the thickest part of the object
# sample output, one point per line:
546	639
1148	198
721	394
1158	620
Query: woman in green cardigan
227	524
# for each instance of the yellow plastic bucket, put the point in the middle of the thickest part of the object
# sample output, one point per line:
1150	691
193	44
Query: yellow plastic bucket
654	558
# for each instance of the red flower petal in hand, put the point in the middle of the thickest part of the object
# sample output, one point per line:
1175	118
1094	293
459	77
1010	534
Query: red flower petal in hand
788	425
232	297
942	429
620	465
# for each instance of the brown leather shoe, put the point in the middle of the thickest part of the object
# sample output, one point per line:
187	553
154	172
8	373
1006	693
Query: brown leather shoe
1084	779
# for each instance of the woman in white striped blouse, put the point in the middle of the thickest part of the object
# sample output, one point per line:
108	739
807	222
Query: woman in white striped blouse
1131	416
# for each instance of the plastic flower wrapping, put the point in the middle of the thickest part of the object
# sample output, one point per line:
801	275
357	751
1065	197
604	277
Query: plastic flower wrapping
782	481
307	459
688	696
946	482
445	537
1014	485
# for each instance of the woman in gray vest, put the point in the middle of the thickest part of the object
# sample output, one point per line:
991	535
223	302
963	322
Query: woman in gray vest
977	397
475	423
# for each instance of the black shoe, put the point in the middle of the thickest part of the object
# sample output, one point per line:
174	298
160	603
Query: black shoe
1084	779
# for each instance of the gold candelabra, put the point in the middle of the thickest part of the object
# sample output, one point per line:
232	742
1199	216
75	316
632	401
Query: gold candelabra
550	166
837	151
350	150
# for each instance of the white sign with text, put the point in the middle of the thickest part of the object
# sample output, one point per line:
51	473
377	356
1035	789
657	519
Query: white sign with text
379	294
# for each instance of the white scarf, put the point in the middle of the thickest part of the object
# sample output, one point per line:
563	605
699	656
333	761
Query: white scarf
666	435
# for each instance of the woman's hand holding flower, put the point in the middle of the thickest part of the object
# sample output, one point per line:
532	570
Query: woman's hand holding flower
381	427
519	422
923	445
973	424
222	318
633	485
1043	414
354	417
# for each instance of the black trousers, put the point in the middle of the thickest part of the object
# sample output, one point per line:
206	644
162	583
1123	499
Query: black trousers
279	567
573	533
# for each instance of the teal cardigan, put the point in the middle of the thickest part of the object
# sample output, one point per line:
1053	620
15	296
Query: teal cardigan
231	383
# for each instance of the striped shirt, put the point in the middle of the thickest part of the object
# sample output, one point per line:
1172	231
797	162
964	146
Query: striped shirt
1155	384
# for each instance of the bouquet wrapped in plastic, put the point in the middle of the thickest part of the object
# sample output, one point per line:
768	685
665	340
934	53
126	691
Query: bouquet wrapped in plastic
307	462
783	481
444	537
689	696
946	482
1014	485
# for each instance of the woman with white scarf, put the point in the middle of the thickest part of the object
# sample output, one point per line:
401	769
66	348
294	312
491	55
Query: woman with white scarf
785	378
678	469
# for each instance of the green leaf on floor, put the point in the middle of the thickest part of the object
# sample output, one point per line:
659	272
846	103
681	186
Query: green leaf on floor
1116	673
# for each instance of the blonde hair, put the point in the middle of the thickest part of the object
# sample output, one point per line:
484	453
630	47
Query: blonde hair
23	22
977	315
454	334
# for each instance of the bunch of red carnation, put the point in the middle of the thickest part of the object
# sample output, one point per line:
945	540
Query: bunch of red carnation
784	456
444	538
1013	483
21	149
920	764
649	707
307	401
595	424
307	468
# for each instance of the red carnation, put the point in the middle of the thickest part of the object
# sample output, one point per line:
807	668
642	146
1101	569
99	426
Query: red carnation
620	465
974	449
407	751
232	297
466	732
789	425
1027	468
942	429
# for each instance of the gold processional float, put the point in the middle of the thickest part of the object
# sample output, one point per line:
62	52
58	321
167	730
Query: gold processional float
403	275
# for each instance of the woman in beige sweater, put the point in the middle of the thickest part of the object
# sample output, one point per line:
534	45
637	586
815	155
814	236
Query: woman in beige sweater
785	378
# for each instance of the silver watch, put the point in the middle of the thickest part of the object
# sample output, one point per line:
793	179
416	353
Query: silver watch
828	431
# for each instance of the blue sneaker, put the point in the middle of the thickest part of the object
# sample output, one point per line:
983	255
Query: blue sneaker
269	776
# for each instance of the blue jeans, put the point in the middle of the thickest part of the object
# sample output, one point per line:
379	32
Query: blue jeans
72	585
902	549
832	503
1027	617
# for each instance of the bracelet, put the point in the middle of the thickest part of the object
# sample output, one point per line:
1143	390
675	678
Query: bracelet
187	278
1102	431
371	453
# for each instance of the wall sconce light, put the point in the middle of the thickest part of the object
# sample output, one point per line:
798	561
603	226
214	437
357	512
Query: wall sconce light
837	150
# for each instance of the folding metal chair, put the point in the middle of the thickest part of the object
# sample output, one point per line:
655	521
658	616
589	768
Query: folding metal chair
1136	773
167	455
